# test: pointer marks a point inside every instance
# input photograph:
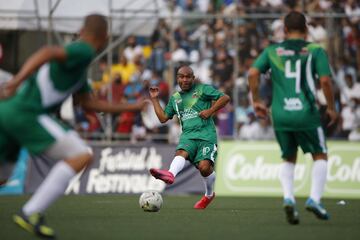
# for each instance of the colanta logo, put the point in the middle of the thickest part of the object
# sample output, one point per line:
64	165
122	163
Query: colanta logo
254	170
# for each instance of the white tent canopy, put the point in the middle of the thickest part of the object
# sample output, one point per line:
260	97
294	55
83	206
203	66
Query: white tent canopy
127	16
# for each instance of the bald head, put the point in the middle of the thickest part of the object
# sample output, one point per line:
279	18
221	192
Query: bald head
95	30
185	78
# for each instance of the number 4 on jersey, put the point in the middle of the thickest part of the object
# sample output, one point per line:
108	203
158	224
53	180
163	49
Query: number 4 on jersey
296	74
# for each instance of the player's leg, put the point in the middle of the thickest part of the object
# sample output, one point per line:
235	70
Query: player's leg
49	137
9	153
288	146
207	153
313	141
177	164
185	150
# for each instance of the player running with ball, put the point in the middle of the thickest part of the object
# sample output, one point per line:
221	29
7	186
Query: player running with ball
194	105
295	65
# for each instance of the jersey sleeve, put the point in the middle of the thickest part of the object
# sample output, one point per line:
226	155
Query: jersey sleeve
322	67
86	88
169	109
262	62
78	54
210	93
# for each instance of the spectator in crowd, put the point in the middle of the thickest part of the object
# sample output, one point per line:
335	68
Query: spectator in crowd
157	58
132	93
350	99
317	32
132	49
258	129
222	69
352	9
210	44
173	16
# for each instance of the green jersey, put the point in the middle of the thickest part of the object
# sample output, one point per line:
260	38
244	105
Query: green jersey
187	105
295	66
46	89
24	118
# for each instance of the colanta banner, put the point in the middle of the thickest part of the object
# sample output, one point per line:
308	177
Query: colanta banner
120	169
252	169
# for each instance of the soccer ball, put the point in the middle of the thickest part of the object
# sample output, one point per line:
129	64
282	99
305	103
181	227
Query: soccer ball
150	201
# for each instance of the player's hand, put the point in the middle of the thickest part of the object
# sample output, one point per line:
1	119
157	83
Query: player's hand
332	115
8	89
154	91
260	109
205	114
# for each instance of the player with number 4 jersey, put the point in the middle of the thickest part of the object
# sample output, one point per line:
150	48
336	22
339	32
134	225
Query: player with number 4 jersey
294	65
297	66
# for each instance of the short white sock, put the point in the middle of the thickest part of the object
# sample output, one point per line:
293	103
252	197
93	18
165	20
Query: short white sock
318	180
209	184
50	189
286	176
177	165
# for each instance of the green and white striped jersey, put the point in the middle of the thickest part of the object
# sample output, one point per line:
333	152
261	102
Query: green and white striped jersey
295	67
45	90
187	106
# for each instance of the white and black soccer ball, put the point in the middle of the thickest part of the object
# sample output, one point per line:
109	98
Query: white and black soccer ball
150	201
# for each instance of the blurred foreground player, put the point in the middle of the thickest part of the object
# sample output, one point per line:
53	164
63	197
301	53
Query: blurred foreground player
46	79
295	66
198	142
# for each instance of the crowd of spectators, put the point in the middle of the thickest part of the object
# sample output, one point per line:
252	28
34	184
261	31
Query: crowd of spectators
221	50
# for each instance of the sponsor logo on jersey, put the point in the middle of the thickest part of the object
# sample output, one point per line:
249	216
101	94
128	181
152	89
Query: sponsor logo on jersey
195	95
189	114
280	51
293	104
205	151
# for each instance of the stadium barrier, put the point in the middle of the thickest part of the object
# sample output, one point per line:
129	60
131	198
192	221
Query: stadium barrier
121	169
243	169
252	169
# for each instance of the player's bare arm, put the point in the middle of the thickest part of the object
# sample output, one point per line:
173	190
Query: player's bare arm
90	102
326	86
154	96
42	56
220	103
254	81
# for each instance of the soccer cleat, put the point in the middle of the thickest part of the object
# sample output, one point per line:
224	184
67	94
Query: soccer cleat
204	202
292	215
163	175
34	224
316	208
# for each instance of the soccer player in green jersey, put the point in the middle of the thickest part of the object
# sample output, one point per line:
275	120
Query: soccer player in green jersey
194	105
46	79
295	66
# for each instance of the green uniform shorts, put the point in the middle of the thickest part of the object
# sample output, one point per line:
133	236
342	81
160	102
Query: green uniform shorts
20	128
310	141
198	150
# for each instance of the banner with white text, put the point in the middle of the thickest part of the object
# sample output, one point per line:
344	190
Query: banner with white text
252	169
121	169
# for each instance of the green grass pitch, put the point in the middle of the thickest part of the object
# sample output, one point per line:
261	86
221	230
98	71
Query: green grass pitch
104	217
